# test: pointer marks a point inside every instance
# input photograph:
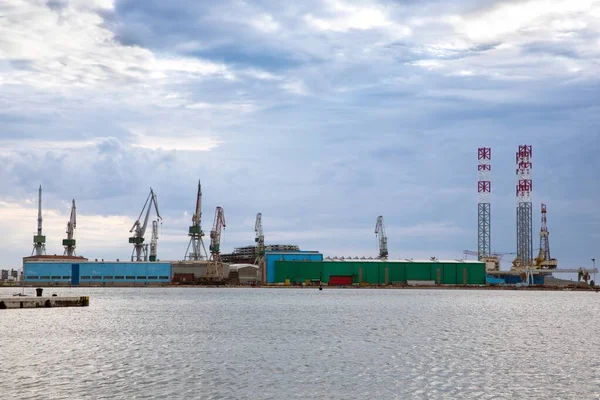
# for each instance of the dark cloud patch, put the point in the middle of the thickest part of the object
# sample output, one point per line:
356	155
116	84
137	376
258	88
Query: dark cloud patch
57	5
550	48
21	64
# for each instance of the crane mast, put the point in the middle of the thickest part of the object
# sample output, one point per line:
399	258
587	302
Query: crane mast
39	240
140	251
380	233
154	240
195	232
215	265
69	243
260	246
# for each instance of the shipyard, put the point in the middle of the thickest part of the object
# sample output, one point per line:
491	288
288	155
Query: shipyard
287	265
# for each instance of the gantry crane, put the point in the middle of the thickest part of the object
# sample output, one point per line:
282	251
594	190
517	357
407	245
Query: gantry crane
195	232
69	242
140	252
380	233
39	240
154	241
260	246
214	269
543	260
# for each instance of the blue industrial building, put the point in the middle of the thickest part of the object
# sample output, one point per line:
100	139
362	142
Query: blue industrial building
96	273
272	256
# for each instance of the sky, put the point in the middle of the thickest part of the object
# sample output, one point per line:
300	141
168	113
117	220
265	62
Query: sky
319	114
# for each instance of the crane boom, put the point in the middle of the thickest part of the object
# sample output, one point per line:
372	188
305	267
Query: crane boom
69	243
139	229
380	233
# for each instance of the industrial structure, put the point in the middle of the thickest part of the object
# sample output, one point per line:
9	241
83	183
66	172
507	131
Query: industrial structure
524	207
69	243
248	254
140	250
215	264
39	240
382	238
543	260
260	247
154	241
59	271
484	214
195	232
378	272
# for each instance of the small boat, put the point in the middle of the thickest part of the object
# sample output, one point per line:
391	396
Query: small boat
19	294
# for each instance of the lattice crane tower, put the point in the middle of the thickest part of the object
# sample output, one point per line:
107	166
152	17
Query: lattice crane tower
484	211
524	207
39	240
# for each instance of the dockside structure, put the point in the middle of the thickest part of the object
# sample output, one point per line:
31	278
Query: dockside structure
375	272
90	273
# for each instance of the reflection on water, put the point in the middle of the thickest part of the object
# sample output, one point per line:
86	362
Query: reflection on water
174	343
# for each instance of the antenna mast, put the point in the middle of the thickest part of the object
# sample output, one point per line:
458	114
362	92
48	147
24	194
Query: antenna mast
484	190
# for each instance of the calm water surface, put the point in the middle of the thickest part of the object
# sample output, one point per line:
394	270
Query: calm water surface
180	343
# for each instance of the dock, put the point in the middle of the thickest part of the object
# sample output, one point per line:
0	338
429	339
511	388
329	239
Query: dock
43	302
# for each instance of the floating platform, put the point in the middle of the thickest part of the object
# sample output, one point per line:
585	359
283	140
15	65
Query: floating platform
43	302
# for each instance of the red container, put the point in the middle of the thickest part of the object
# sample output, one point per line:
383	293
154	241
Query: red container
340	280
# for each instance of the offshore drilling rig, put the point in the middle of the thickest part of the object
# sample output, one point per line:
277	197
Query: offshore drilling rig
543	260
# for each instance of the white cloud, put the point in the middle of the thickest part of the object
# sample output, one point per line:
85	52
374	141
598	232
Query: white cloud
296	87
344	16
161	139
265	23
75	50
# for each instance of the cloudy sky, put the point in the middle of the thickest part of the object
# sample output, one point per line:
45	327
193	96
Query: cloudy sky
320	114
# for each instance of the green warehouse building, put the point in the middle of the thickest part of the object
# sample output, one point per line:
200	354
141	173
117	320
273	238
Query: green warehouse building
378	272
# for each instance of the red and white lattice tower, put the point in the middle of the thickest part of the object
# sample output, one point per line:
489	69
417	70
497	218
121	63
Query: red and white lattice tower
524	207
484	191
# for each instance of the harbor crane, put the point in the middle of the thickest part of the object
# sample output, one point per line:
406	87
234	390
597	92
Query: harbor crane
39	240
154	241
214	269
195	232
380	233
140	251
260	246
69	243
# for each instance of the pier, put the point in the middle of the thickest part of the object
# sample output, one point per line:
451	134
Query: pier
43	302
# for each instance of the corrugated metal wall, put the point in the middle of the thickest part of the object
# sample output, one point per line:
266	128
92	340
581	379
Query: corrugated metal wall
97	272
272	257
375	272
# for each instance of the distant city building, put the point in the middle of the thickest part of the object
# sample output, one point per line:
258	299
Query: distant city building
4	275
